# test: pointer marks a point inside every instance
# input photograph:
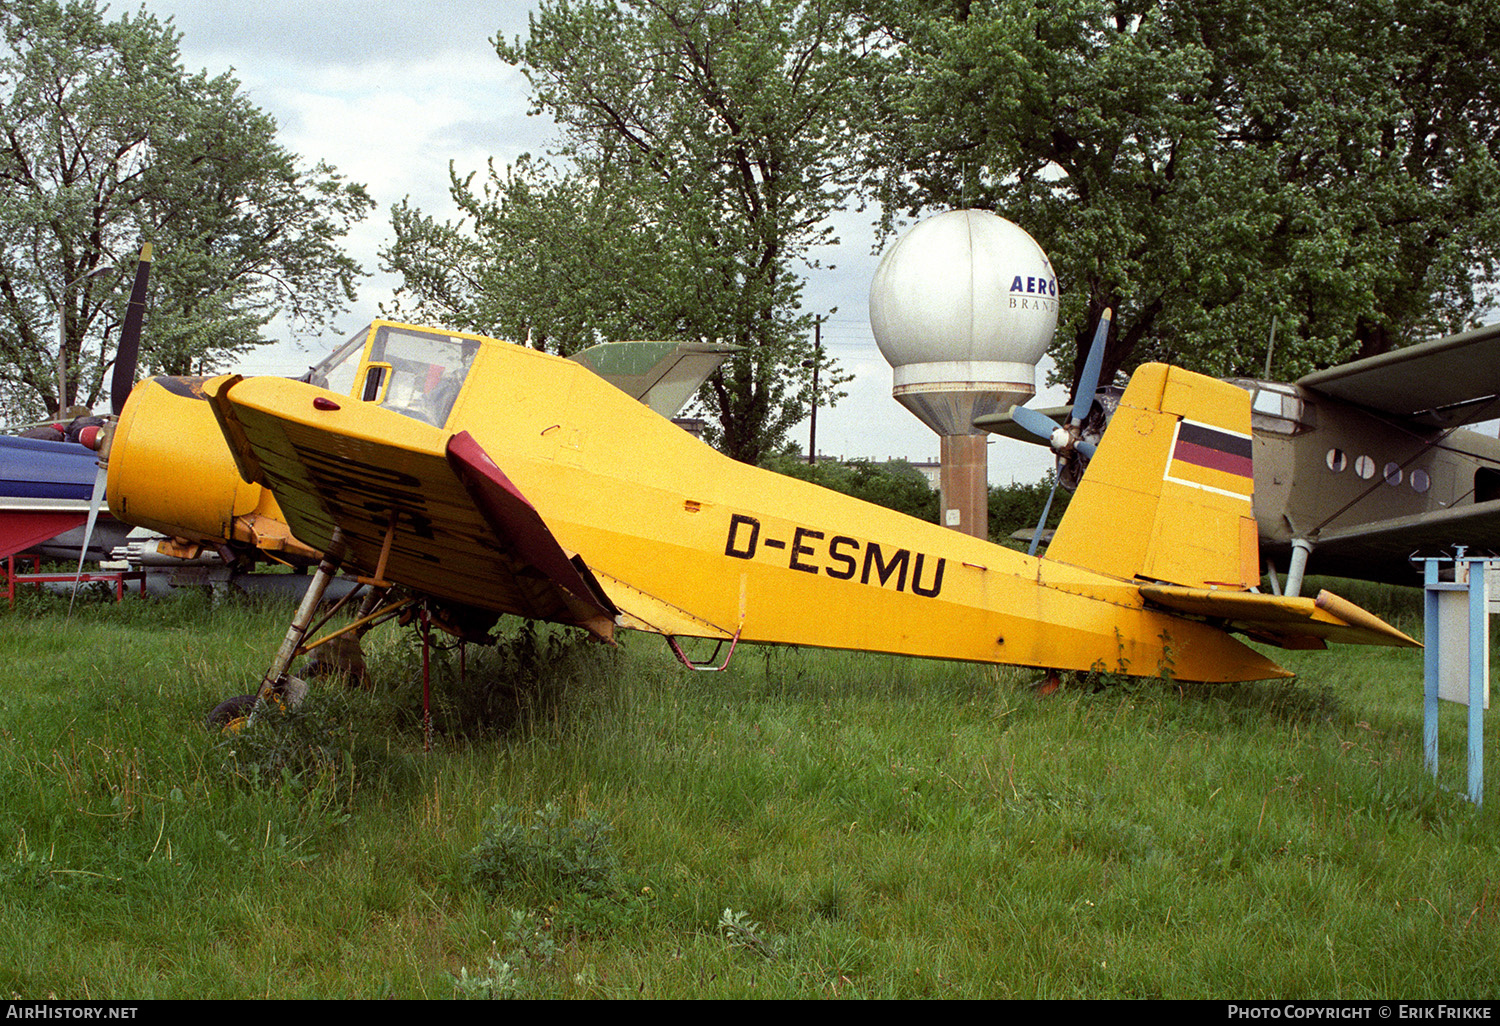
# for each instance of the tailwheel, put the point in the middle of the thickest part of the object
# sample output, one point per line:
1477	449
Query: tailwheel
1049	684
340	659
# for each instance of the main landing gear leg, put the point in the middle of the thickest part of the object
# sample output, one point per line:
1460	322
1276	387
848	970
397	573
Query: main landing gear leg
1301	549
276	682
276	676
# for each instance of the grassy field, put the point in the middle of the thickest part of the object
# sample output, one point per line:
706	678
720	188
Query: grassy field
601	823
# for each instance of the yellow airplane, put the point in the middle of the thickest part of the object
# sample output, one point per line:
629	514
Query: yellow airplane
487	478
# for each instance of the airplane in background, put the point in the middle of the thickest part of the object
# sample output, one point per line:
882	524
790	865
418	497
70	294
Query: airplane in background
476	478
1360	466
44	500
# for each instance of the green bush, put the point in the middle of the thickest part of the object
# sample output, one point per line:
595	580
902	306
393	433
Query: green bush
1017	507
894	484
544	853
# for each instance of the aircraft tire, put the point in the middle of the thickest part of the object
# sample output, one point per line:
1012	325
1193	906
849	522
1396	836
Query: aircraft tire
229	715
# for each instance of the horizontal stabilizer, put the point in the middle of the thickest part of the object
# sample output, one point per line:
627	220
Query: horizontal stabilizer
1280	620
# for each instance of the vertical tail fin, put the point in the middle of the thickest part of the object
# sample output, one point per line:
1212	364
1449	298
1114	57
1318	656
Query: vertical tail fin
1167	497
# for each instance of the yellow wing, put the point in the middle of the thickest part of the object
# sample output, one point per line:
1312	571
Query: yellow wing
413	503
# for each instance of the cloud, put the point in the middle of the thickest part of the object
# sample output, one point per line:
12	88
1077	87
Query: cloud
386	93
321	33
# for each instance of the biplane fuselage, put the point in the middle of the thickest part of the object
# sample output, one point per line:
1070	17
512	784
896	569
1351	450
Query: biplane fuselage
1366	488
496	477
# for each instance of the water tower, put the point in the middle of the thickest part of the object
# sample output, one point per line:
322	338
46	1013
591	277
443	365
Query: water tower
963	306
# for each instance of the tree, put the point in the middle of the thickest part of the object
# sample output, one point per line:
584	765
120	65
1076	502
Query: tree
704	144
1018	507
560	261
1205	168
106	142
894	484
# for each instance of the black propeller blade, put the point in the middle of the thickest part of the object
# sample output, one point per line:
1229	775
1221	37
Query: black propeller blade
130	336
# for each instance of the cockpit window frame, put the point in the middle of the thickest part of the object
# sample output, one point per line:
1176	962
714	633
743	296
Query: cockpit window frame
422	371
348	358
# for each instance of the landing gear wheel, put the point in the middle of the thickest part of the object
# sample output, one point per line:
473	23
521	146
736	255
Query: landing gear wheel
230	715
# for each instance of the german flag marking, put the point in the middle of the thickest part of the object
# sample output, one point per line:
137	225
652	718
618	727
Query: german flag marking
1211	458
1214	448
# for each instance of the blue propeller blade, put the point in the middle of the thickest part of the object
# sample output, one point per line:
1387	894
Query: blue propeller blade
1041	525
1042	426
1089	383
1037	423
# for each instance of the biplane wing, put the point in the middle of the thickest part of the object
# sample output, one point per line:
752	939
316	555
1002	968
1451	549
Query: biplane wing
1447	382
1391	544
419	506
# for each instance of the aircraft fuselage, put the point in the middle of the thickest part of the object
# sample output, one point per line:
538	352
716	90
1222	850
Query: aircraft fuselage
494	477
1326	469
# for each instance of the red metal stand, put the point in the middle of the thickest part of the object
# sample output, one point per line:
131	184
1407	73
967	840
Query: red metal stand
115	577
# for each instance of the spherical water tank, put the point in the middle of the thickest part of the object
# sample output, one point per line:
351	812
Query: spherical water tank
963	306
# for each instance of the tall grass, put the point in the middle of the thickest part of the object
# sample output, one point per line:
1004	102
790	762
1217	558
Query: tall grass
599	822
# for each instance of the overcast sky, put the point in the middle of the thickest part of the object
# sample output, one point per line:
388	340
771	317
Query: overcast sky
389	92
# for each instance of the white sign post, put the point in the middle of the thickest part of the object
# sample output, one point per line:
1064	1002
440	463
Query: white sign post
1456	657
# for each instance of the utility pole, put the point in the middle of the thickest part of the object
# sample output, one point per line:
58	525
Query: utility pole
812	431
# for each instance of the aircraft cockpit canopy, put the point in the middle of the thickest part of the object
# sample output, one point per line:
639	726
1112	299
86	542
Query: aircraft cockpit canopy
1277	408
415	373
